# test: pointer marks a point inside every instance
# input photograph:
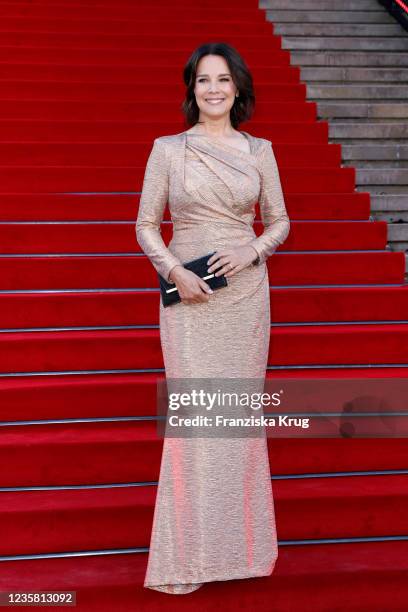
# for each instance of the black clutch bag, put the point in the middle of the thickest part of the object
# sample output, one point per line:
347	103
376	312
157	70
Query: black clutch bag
169	292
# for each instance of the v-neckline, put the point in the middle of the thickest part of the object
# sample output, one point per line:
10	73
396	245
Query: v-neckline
215	139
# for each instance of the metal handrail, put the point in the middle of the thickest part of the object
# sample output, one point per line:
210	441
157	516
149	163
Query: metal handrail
398	9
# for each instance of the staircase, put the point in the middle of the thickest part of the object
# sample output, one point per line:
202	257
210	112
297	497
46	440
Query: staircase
81	102
353	57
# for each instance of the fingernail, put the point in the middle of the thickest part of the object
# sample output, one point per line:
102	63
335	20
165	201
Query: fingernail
210	291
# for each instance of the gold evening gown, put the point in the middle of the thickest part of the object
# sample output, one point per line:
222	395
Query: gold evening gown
214	515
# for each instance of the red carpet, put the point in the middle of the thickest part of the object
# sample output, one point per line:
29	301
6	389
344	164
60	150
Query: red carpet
81	102
309	577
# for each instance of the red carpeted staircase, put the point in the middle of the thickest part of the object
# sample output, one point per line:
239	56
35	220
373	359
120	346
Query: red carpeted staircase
85	88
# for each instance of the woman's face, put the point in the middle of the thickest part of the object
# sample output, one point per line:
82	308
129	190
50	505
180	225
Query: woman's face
214	88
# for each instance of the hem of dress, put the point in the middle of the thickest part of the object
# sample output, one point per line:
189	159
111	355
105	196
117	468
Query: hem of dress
198	581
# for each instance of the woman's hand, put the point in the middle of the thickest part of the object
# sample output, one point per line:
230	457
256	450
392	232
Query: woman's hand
231	261
191	288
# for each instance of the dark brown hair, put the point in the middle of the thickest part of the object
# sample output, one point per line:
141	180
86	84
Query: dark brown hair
244	104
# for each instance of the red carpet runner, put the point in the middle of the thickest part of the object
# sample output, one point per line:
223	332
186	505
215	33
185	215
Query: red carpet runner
85	87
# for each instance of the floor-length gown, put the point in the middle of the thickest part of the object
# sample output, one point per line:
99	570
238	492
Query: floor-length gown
214	515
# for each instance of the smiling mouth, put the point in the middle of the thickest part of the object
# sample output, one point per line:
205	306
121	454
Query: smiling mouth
214	99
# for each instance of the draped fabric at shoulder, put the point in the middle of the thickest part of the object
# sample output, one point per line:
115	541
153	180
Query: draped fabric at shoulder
211	182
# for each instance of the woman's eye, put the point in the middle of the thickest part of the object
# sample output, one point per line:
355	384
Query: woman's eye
201	80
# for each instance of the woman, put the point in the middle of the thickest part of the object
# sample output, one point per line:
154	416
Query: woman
214	514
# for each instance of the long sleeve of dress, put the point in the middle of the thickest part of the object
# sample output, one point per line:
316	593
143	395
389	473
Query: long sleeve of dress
272	208
152	203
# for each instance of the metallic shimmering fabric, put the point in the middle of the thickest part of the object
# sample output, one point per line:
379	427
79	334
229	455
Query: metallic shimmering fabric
214	515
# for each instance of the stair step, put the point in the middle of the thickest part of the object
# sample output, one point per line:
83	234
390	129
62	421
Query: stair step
122	207
371	155
307	16
150	25
352	30
356	110
127	178
132	395
398	232
119	10
125	74
128	131
350	91
321	5
386	189
129	92
111	237
134	307
144	5
143	41
104	271
49	55
57	351
135	154
346	57
361	75
347	43
119	517
344	571
138	111
81	519
382	176
134	448
391	130
392	208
